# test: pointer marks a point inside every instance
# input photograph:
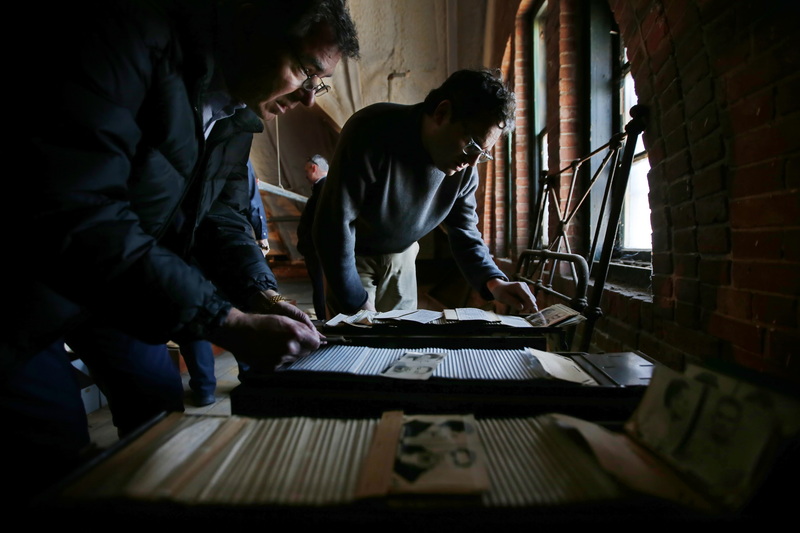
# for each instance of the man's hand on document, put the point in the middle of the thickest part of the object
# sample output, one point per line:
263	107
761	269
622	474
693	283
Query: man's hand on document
517	296
265	341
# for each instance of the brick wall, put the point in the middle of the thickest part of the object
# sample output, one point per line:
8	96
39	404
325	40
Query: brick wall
721	80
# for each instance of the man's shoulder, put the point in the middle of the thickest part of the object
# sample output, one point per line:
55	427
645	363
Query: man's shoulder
383	113
381	122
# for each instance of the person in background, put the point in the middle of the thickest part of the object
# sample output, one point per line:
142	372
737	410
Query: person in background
199	358
257	215
258	221
316	171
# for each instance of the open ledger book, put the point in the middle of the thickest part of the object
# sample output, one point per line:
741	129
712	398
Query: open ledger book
698	439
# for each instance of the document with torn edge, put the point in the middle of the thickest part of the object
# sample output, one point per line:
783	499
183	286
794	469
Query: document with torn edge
557	314
683	446
548	317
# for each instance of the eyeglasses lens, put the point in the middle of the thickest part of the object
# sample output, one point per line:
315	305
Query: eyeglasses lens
472	149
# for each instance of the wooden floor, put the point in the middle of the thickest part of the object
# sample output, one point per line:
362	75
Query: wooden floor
103	432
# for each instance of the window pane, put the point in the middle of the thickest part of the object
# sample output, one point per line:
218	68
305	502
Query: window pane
637	233
629	99
546	206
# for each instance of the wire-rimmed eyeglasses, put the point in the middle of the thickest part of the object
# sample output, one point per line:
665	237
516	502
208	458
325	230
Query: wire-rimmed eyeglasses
473	149
313	83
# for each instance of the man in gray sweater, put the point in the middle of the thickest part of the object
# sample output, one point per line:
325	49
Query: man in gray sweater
398	172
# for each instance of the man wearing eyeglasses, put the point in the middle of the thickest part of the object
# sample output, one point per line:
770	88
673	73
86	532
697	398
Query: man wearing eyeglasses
136	143
400	171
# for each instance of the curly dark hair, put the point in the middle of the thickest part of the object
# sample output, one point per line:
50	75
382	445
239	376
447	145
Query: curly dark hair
299	18
476	93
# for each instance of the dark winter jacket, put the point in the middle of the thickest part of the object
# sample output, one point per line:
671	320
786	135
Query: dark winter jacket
121	194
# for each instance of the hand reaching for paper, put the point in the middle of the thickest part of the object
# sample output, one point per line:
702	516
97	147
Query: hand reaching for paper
514	294
291	311
261	303
265	341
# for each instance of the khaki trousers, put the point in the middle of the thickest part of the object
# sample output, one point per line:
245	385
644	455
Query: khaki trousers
390	279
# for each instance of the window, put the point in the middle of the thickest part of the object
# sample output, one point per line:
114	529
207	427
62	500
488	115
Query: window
610	94
539	83
635	230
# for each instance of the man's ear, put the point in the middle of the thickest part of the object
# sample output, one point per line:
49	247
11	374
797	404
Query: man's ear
442	113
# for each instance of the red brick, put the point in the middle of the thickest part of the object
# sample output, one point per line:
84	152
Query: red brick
621	332
646	315
659	218
791	245
703	124
662	263
690	341
687	290
689	46
709	181
782	346
761	72
776	26
770	244
681	16
684	241
686	265
675	141
753	112
714	271
687	315
728	60
666	76
774	310
694	70
661	240
673	119
752	360
786	99
698	96
765	211
711	209
662	286
662	352
680	191
683	215
757	179
677	166
734	302
719	21
738	332
604	343
707	151
713	239
663	307
777	278
655	152
668	95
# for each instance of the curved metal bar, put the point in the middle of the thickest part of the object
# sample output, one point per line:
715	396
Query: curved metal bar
537	258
